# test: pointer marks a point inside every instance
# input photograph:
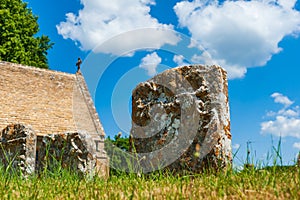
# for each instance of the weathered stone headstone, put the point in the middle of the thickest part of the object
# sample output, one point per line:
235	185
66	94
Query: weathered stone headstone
180	120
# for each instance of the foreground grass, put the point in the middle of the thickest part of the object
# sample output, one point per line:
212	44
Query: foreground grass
276	182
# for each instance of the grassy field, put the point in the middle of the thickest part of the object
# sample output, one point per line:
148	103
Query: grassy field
268	183
277	182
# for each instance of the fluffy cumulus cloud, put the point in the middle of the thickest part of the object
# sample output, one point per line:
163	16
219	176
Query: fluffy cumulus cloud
286	121
112	25
279	98
150	63
238	34
179	60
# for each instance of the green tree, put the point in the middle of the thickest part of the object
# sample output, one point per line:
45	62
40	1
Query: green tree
120	142
117	151
18	43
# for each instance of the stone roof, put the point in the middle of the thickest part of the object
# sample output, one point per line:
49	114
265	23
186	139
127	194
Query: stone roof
48	101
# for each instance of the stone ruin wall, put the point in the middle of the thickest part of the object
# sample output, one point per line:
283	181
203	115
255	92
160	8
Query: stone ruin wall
49	102
23	151
180	120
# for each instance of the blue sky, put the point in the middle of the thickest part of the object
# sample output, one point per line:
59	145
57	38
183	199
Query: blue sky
126	42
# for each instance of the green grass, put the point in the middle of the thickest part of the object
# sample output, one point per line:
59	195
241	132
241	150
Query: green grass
271	183
276	182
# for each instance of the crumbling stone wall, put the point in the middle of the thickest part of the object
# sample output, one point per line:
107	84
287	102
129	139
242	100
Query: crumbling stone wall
21	150
180	120
74	151
18	148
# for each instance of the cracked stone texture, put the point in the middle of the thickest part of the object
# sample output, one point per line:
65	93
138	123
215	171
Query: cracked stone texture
18	148
180	120
75	151
21	150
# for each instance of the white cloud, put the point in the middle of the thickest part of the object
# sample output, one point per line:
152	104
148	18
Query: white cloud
179	60
282	126
279	98
296	145
150	63
99	21
287	3
289	112
286	121
239	34
233	71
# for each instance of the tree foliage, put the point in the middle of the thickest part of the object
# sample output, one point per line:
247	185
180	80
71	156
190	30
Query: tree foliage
117	151
18	43
120	142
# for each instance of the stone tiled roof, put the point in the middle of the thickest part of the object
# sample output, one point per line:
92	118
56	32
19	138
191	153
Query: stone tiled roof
48	101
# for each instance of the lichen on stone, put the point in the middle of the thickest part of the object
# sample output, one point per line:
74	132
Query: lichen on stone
183	108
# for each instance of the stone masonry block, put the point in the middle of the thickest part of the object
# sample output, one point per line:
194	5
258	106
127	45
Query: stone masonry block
74	151
180	120
18	148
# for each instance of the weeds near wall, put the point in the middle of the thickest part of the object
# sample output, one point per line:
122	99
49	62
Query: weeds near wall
276	182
